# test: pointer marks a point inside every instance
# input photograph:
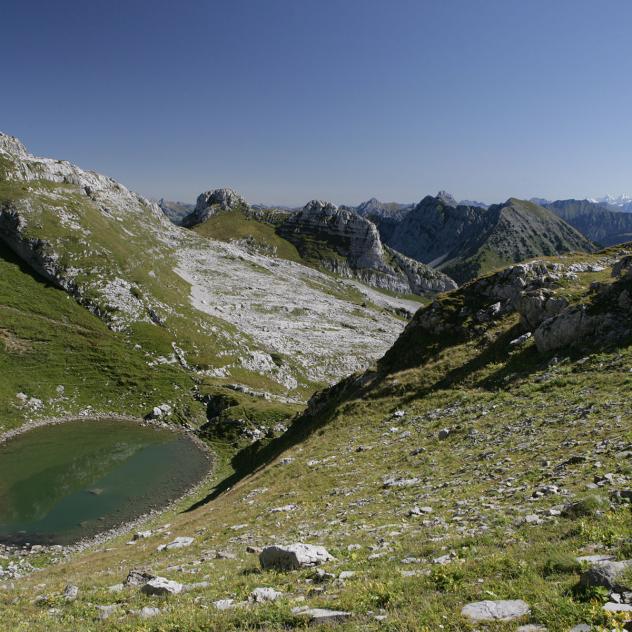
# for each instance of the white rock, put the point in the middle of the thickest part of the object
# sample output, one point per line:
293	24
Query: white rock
293	556
179	543
259	595
71	592
148	612
317	616
161	586
503	610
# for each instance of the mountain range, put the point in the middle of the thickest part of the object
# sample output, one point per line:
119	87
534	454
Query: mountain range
462	467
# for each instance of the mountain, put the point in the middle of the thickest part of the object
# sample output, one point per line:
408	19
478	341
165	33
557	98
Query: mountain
223	313
595	221
321	234
473	203
175	211
467	241
385	215
348	244
616	202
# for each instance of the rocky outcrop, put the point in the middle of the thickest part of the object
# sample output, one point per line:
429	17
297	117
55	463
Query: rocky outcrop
347	244
211	202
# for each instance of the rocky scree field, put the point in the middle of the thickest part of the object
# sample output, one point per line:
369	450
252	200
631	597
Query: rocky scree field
477	477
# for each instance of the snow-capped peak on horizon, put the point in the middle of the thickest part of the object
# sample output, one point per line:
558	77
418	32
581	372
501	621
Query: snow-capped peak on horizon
622	199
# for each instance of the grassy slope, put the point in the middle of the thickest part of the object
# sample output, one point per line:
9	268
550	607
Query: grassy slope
516	417
47	340
236	225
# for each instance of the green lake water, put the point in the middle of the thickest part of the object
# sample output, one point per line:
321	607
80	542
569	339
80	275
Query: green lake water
61	483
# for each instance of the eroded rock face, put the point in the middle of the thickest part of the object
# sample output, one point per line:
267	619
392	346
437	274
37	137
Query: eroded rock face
350	245
210	202
536	306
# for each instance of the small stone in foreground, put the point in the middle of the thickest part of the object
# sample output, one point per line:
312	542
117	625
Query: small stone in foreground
503	610
611	606
106	611
317	616
293	556
224	604
148	613
71	592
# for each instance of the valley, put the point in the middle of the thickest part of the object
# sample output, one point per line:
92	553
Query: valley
434	395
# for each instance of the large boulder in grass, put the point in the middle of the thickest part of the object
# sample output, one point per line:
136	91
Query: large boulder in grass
610	575
503	610
292	556
161	587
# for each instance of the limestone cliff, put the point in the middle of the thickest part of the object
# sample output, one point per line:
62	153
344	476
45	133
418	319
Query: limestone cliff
347	244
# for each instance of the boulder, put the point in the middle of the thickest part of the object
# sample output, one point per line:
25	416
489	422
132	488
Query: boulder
317	616
71	592
148	612
179	543
572	325
610	575
502	610
261	594
293	556
536	306
160	586
105	612
138	577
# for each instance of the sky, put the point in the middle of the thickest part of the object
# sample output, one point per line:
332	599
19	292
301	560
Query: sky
342	100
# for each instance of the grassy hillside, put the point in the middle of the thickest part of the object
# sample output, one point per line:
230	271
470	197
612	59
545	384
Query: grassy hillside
56	357
490	441
237	225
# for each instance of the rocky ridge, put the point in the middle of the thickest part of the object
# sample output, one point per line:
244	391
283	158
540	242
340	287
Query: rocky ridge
350	245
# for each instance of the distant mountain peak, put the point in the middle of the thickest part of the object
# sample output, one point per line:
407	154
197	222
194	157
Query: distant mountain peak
316	206
446	198
211	201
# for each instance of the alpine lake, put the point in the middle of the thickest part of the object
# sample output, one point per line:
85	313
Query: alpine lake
65	482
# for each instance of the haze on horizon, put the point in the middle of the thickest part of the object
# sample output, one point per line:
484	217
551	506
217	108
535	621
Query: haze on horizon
342	100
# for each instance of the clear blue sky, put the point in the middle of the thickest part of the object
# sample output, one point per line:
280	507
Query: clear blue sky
287	100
